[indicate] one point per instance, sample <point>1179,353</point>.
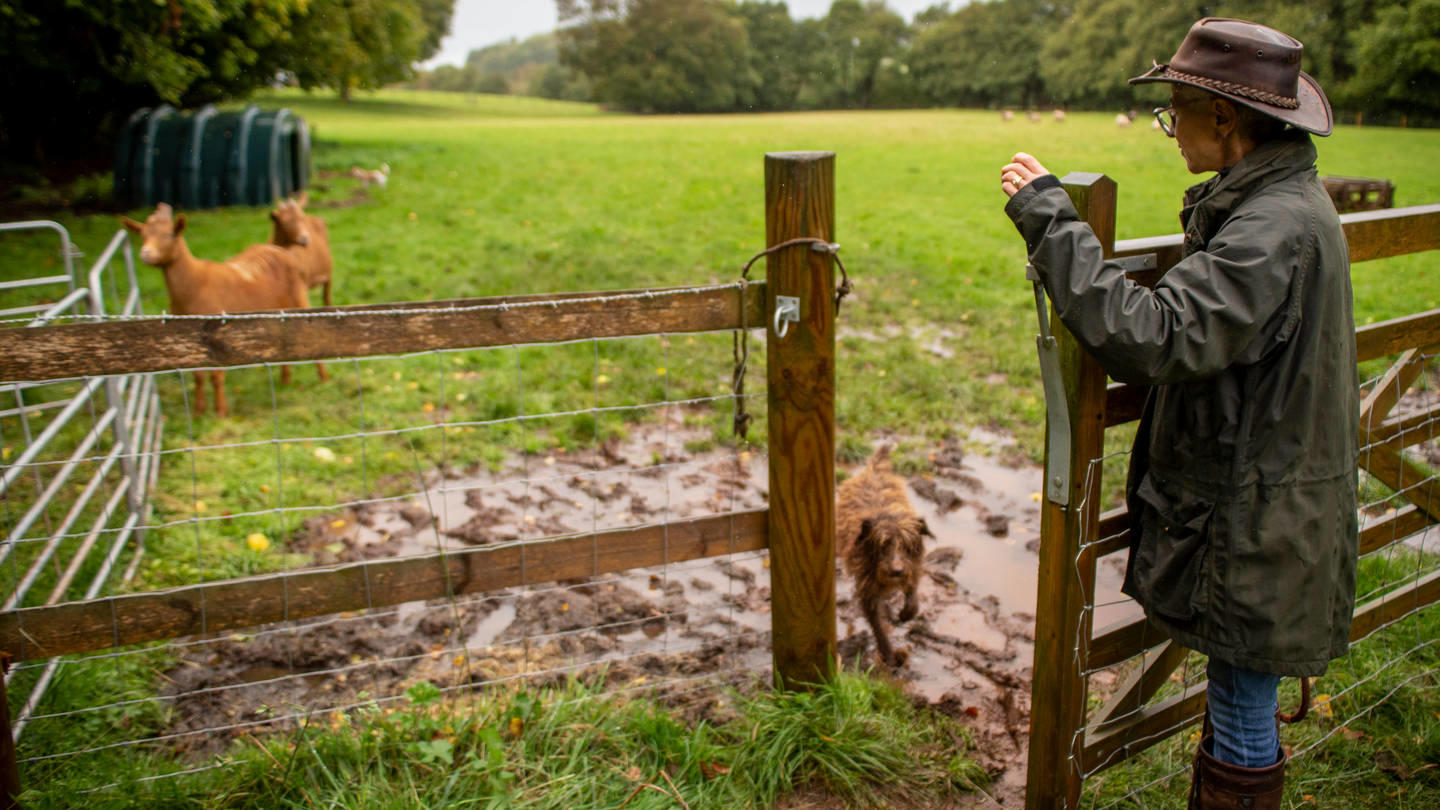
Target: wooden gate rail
<point>213,607</point>
<point>1064,747</point>
<point>321,333</point>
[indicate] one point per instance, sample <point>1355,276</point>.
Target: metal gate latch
<point>787,311</point>
<point>1057,413</point>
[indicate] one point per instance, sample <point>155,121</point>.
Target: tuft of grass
<point>856,738</point>
<point>1371,739</point>
<point>573,746</point>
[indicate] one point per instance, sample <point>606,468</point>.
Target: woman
<point>1242,487</point>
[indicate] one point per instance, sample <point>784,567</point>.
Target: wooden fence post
<point>800,375</point>
<point>1066,580</point>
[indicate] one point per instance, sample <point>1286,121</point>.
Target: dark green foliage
<point>682,56</point>
<point>361,44</point>
<point>985,54</point>
<point>1377,58</point>
<point>105,58</point>
<point>1400,50</point>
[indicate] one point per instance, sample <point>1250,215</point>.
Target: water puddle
<point>969,649</point>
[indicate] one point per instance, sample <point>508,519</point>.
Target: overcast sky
<point>478,23</point>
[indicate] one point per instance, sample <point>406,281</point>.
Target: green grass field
<point>493,196</point>
<point>496,196</point>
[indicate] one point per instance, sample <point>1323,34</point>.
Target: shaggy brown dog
<point>878,536</point>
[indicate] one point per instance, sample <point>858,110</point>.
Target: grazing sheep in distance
<point>1007,115</point>
<point>878,536</point>
<point>1059,114</point>
<point>367,177</point>
<point>1034,117</point>
<point>1122,120</point>
<point>260,277</point>
<point>306,237</point>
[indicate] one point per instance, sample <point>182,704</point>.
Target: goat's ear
<point>179,224</point>
<point>925,528</point>
<point>131,225</point>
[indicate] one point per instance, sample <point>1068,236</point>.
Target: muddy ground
<point>969,649</point>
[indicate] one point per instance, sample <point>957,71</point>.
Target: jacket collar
<point>1208,204</point>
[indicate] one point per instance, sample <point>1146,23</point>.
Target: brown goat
<point>305,236</point>
<point>878,536</point>
<point>258,278</point>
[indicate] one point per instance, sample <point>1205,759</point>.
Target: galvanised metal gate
<point>79,455</point>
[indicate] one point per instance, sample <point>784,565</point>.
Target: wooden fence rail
<point>1065,744</point>
<point>213,607</point>
<point>320,333</point>
<point>798,526</point>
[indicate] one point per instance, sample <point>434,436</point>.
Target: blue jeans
<point>1242,714</point>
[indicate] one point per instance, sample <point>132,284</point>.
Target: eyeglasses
<point>1166,117</point>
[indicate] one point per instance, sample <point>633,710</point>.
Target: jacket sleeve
<point>1213,309</point>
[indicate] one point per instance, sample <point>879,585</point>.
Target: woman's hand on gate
<point>1020,170</point>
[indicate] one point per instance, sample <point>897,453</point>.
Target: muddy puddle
<point>969,649</point>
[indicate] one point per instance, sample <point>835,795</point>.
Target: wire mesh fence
<point>1118,705</point>
<point>485,494</point>
<point>1387,656</point>
<point>419,457</point>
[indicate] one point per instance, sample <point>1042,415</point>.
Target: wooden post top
<point>1084,179</point>
<point>799,156</point>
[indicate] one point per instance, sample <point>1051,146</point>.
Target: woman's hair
<point>1249,122</point>
<point>1255,125</point>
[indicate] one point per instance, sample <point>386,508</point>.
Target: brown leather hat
<point>1249,64</point>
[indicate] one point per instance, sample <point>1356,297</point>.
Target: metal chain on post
<point>740,341</point>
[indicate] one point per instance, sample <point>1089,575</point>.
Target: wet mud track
<point>969,649</point>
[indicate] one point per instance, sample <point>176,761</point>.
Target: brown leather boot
<point>1216,785</point>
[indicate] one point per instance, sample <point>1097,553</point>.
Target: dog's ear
<point>866,527</point>
<point>925,528</point>
<point>868,546</point>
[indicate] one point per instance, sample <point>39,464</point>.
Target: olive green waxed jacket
<point>1242,485</point>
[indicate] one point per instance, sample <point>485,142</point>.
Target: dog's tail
<point>880,460</point>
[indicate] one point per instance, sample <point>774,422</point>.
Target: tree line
<point>1377,59</point>
<point>527,68</point>
<point>77,68</point>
